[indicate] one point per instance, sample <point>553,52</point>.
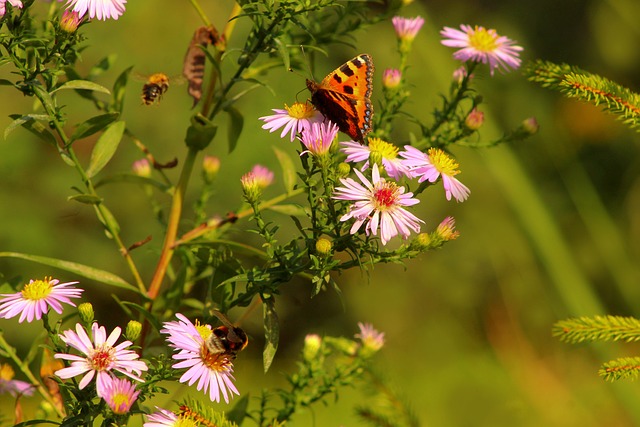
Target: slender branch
<point>175,214</point>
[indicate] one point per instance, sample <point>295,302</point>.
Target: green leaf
<point>21,120</point>
<point>284,53</point>
<point>239,411</point>
<point>119,90</point>
<point>83,85</point>
<point>87,199</point>
<point>105,148</point>
<point>271,331</point>
<point>236,122</point>
<point>108,220</point>
<point>75,268</point>
<point>200,133</point>
<point>289,209</point>
<point>288,169</point>
<point>93,125</point>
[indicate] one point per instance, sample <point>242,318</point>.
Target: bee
<point>157,84</point>
<point>227,339</point>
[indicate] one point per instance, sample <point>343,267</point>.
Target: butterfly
<point>343,96</point>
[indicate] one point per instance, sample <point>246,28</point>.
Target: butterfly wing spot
<point>343,99</point>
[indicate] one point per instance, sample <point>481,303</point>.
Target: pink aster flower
<point>379,204</point>
<point>102,9</point>
<point>381,152</point>
<point>36,297</point>
<point>70,21</point>
<point>407,28</point>
<point>294,119</point>
<point>370,337</point>
<point>13,387</point>
<point>100,357</point>
<point>211,370</point>
<point>481,45</point>
<point>319,138</point>
<point>436,164</point>
<point>162,418</point>
<point>263,175</point>
<point>120,395</point>
<point>14,3</point>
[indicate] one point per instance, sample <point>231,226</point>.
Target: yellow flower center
<point>385,195</point>
<point>382,148</point>
<point>6,372</point>
<point>203,330</point>
<point>38,289</point>
<point>443,163</point>
<point>483,40</point>
<point>121,403</point>
<point>300,110</point>
<point>102,357</point>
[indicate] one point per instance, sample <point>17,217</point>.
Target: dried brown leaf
<point>194,61</point>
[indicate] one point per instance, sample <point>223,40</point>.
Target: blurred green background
<point>550,230</point>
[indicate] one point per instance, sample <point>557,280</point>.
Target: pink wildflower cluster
<point>379,204</point>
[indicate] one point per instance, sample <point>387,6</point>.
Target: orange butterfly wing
<point>344,96</point>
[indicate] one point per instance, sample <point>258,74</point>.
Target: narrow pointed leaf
<point>84,85</point>
<point>21,120</point>
<point>236,122</point>
<point>288,169</point>
<point>75,268</point>
<point>93,125</point>
<point>119,90</point>
<point>271,332</point>
<point>87,199</point>
<point>105,148</point>
<point>289,209</point>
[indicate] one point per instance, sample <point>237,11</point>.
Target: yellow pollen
<point>6,372</point>
<point>102,357</point>
<point>443,163</point>
<point>38,289</point>
<point>483,40</point>
<point>203,330</point>
<point>121,401</point>
<point>300,110</point>
<point>385,195</point>
<point>386,150</point>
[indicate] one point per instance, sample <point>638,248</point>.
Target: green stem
<point>198,9</point>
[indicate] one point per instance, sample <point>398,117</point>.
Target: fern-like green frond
<point>625,368</point>
<point>588,87</point>
<point>598,328</point>
<point>203,414</point>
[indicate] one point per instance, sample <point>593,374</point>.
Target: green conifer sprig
<point>588,87</point>
<point>621,369</point>
<point>598,328</point>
